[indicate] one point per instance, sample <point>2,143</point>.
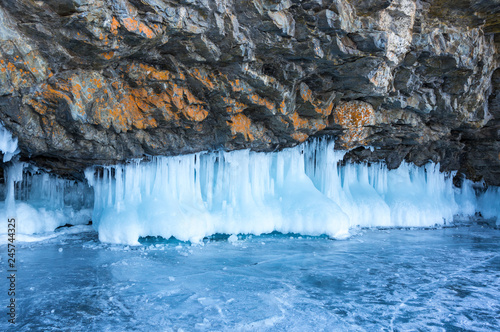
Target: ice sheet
<point>378,280</point>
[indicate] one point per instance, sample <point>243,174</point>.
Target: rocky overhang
<point>93,82</point>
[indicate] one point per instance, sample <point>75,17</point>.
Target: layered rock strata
<point>85,82</point>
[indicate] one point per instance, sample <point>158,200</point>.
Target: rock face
<point>86,82</point>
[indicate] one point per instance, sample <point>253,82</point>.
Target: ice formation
<point>489,203</point>
<point>193,196</point>
<point>38,201</point>
<point>41,202</point>
<point>303,190</point>
<point>8,144</point>
<point>298,190</point>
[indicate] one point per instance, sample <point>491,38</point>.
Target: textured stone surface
<point>87,82</point>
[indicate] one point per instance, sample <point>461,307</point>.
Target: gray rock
<point>100,82</point>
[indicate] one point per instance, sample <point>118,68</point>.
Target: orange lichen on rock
<point>256,99</point>
<point>198,127</point>
<point>283,121</point>
<point>300,137</point>
<point>182,98</point>
<point>325,110</point>
<point>132,108</point>
<point>319,107</point>
<point>38,106</point>
<point>148,102</point>
<point>132,25</point>
<point>161,101</point>
<point>114,26</point>
<point>195,112</point>
<point>150,72</point>
<point>160,75</point>
<point>306,93</point>
<point>11,67</point>
<point>92,100</point>
<point>307,124</point>
<point>190,106</point>
<point>45,100</point>
<point>127,113</point>
<point>354,114</point>
<point>354,117</point>
<point>143,28</point>
<point>240,124</point>
<point>297,121</point>
<point>191,98</point>
<point>234,106</point>
<point>202,77</point>
<point>17,76</point>
<point>108,55</point>
<point>177,96</point>
<point>142,72</point>
<point>239,86</point>
<point>282,108</point>
<point>53,95</point>
<point>317,124</point>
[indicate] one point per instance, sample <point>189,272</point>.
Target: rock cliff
<point>85,82</point>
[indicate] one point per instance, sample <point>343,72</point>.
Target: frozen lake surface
<point>445,279</point>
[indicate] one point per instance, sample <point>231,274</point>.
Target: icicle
<point>193,196</point>
<point>300,190</point>
<point>465,196</point>
<point>39,202</point>
<point>8,144</point>
<point>14,174</point>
